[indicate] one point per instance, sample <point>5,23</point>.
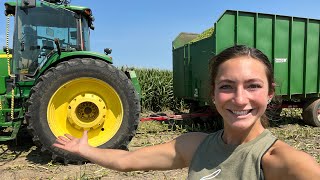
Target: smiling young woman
<point>242,85</point>
<point>241,92</point>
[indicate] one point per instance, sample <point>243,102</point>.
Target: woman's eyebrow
<point>229,81</point>
<point>225,81</point>
<point>254,80</point>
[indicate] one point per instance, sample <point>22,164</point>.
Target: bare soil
<point>20,159</point>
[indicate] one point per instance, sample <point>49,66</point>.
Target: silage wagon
<point>291,43</point>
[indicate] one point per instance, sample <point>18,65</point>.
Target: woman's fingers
<point>85,133</point>
<point>62,141</point>
<point>69,136</point>
<point>58,145</point>
<point>63,138</point>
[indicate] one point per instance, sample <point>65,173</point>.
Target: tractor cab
<point>44,28</point>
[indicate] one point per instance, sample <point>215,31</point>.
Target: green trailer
<point>291,43</point>
<point>51,83</point>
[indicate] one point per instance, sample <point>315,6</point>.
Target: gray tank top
<point>216,160</point>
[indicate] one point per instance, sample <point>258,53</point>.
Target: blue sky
<point>140,32</point>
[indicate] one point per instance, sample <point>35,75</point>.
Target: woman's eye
<point>225,87</point>
<point>254,86</point>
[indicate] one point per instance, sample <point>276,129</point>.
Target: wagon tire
<point>311,112</point>
<point>83,94</point>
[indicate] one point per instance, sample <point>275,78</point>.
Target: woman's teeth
<point>241,113</point>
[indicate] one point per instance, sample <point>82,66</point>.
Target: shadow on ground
<point>22,147</point>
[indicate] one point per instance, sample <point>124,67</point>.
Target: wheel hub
<point>86,111</point>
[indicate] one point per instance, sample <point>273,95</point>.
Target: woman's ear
<point>271,95</point>
<point>212,99</point>
<point>272,90</point>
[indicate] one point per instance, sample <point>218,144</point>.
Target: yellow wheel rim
<point>85,104</point>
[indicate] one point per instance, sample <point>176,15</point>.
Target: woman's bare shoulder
<point>284,161</point>
<point>193,136</point>
<point>190,140</point>
<point>286,153</point>
<point>187,144</point>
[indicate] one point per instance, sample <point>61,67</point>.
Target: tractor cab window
<point>36,30</point>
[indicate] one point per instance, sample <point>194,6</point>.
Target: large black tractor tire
<point>83,94</point>
<point>311,112</point>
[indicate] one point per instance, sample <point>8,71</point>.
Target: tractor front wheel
<point>83,94</point>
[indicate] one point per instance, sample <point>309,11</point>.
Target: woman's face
<point>241,91</point>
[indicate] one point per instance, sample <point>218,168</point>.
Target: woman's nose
<point>240,97</point>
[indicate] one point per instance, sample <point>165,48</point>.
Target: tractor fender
<point>131,74</point>
<point>65,56</point>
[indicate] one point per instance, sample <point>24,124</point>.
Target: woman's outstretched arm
<point>171,155</point>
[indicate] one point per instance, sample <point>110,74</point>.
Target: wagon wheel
<point>311,112</point>
<point>83,94</point>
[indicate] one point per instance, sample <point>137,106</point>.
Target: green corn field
<point>157,90</point>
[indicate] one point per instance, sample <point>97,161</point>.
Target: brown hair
<point>238,51</point>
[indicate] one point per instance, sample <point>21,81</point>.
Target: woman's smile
<point>240,113</point>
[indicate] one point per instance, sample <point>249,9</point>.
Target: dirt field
<point>22,160</point>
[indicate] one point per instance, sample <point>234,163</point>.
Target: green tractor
<point>51,83</point>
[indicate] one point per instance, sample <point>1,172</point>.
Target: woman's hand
<point>71,143</point>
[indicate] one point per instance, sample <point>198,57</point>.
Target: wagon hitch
<point>165,117</point>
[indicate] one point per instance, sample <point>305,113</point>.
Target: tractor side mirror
<point>28,3</point>
<point>9,9</point>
